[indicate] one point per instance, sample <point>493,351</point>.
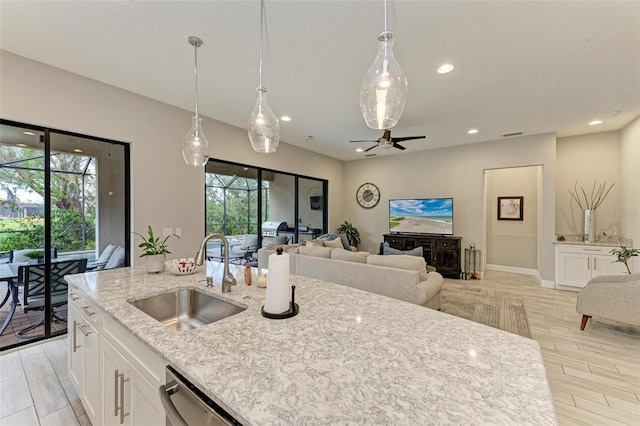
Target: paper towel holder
<point>291,312</point>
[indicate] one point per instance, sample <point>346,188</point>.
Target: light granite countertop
<point>349,356</point>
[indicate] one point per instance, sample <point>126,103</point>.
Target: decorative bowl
<point>181,266</point>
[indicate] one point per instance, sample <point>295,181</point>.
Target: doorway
<point>512,238</point>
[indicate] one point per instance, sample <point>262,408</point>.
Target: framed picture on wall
<point>510,208</point>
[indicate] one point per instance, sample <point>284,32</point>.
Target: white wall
<point>585,159</point>
<point>512,243</point>
<point>453,172</point>
<point>630,182</point>
<point>166,192</point>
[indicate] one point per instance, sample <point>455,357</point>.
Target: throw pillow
<point>343,238</point>
<point>391,251</point>
<point>349,256</point>
<point>337,243</point>
<point>411,263</point>
<point>105,256</point>
<point>314,243</point>
<point>316,251</point>
<point>117,259</point>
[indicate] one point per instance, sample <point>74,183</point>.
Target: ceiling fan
<point>386,141</point>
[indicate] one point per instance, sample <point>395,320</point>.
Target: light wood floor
<point>594,375</point>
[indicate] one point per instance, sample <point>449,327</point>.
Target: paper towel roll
<point>278,287</point>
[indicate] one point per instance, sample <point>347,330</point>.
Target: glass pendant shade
<point>195,148</point>
<point>383,92</point>
<point>263,127</point>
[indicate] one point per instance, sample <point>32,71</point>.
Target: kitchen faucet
<point>227,280</point>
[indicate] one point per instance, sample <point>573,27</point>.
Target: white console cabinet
<point>578,263</point>
<point>115,375</point>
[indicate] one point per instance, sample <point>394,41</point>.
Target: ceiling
<point>521,66</point>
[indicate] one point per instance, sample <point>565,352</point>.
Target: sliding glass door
<point>64,198</point>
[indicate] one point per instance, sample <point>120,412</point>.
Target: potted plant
<point>351,232</point>
<point>37,255</point>
<point>155,251</point>
<point>623,255</point>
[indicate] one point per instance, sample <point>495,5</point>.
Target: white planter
<point>155,263</point>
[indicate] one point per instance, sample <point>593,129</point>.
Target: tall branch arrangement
<point>598,194</point>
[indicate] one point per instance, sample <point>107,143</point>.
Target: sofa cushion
<point>392,251</point>
<point>314,243</point>
<point>402,261</point>
<point>342,237</point>
<point>316,251</point>
<point>336,244</point>
<point>349,256</point>
<point>105,256</point>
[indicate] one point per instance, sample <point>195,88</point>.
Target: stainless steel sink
<point>186,308</point>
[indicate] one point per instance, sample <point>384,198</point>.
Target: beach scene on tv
<point>421,216</point>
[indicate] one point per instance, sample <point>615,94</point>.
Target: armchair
<point>612,297</point>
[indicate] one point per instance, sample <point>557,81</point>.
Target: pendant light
<point>263,127</point>
<point>195,149</point>
<point>383,92</point>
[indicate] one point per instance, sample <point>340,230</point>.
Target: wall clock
<point>368,195</point>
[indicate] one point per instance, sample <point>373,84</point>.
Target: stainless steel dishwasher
<point>186,405</point>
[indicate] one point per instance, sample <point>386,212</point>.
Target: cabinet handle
<point>586,249</point>
<point>84,308</point>
<point>115,396</point>
<point>86,333</point>
<point>73,296</point>
<point>122,413</point>
<point>73,337</point>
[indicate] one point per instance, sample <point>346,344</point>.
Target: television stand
<point>443,252</point>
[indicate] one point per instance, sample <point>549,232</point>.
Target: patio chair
<point>32,277</point>
<point>245,251</point>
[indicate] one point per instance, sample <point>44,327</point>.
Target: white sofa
<point>400,277</point>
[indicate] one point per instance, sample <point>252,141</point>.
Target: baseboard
<point>512,269</point>
<point>523,271</point>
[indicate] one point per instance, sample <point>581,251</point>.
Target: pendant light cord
<point>261,38</point>
<point>385,16</point>
<point>195,72</point>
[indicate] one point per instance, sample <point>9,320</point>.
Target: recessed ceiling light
<point>359,149</point>
<point>28,133</point>
<point>285,118</point>
<point>307,137</point>
<point>445,68</point>
<point>21,145</point>
<point>595,122</point>
<point>472,131</point>
<point>77,150</point>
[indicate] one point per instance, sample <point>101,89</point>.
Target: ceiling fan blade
<point>387,135</point>
<point>366,141</point>
<point>408,138</point>
<point>397,145</point>
<point>369,149</point>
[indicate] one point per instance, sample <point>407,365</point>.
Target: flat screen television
<point>421,216</point>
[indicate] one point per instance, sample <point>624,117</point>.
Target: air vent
<point>370,155</point>
<point>506,135</point>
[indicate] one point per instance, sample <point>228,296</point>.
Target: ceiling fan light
<point>263,126</point>
<point>384,88</point>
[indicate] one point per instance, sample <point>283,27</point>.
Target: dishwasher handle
<point>174,417</point>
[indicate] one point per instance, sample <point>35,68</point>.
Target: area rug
<point>495,309</point>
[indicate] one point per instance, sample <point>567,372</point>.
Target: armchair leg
<point>583,324</point>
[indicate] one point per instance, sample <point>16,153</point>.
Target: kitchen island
<point>348,357</point>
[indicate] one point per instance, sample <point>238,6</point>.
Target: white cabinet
<point>129,398</point>
<point>114,374</point>
<point>84,354</point>
<point>576,264</point>
<point>131,375</point>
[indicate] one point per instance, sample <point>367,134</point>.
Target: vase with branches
<point>589,204</point>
